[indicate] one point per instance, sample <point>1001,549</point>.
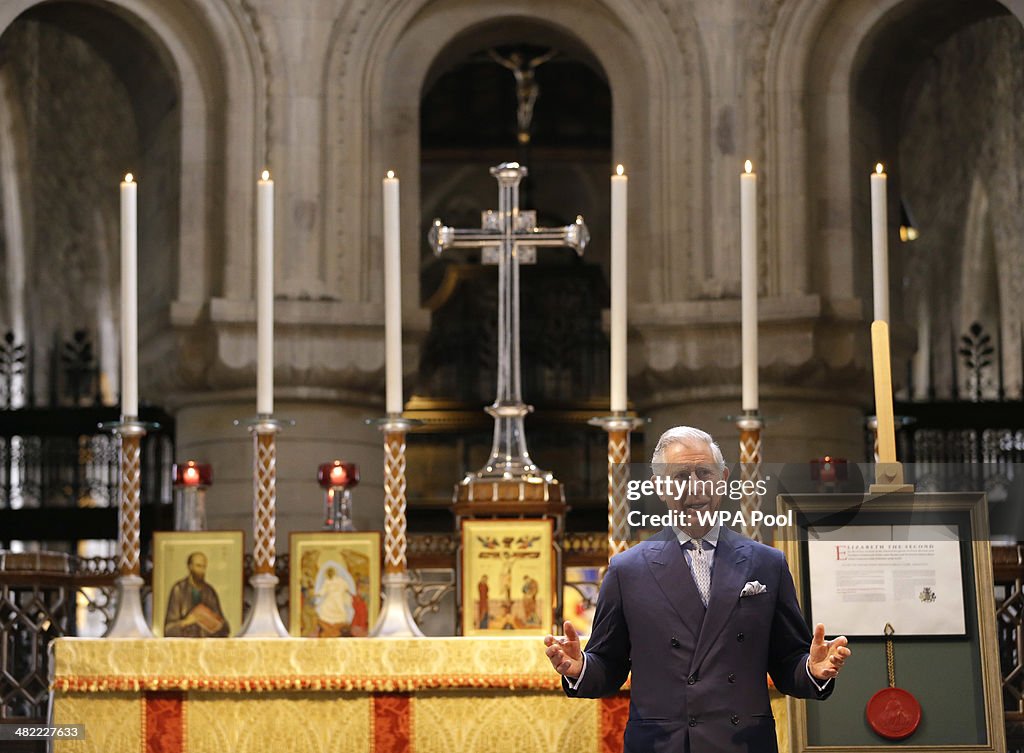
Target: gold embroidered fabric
<point>292,722</point>
<point>113,722</point>
<point>489,721</point>
<point>249,664</point>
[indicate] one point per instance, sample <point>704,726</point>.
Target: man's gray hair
<point>686,435</point>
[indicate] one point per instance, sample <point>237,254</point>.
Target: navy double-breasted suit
<point>698,683</point>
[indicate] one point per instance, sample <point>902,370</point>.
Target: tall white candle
<point>265,295</point>
<point>392,296</point>
<point>879,244</point>
<point>129,298</point>
<point>748,284</point>
<point>619,294</point>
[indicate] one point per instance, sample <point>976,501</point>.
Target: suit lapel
<point>727,578</point>
<point>665,561</point>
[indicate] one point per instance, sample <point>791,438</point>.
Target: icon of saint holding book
<point>193,609</point>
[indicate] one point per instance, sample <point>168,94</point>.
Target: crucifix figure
<point>527,88</point>
<point>509,237</point>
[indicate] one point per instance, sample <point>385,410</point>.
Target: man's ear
<point>725,473</point>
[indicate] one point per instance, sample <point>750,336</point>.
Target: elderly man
<point>699,615</point>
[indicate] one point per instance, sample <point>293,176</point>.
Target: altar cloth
<point>302,695</point>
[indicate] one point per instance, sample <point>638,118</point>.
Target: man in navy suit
<point>699,615</point>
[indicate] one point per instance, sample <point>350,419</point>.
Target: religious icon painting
<point>579,597</point>
<point>197,583</point>
<point>334,583</point>
<point>508,577</point>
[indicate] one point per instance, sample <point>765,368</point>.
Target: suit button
<point>732,677</point>
<point>693,721</point>
<point>739,637</point>
<point>735,719</point>
<point>676,643</point>
<point>692,679</point>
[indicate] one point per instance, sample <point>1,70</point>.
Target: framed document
<point>909,574</point>
<point>197,583</point>
<point>334,583</point>
<point>861,564</point>
<point>508,577</point>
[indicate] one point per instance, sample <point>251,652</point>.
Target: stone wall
<point>962,172</point>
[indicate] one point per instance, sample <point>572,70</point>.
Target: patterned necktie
<point>700,568</point>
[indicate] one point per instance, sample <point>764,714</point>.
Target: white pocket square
<point>753,588</point>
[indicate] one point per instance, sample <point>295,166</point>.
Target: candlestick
<point>129,621</point>
<point>129,299</point>
<point>748,286</point>
<point>395,619</point>
<point>619,294</point>
<point>265,295</point>
<point>392,296</point>
<point>619,427</point>
<point>264,619</point>
<point>879,245</point>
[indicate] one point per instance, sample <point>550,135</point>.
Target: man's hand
<point>564,652</point>
<point>827,657</point>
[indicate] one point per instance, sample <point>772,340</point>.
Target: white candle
<point>748,284</point>
<point>129,299</point>
<point>265,295</point>
<point>879,244</point>
<point>392,296</point>
<point>619,295</point>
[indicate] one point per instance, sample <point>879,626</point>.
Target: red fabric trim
<point>392,723</point>
<point>164,723</point>
<point>614,713</point>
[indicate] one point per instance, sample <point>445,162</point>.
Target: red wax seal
<point>893,713</point>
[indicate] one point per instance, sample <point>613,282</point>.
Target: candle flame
<point>748,167</point>
<point>265,175</point>
<point>619,170</point>
<point>390,174</point>
<point>128,178</point>
<point>878,168</point>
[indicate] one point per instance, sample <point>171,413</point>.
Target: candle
<point>392,296</point>
<point>265,295</point>
<point>748,285</point>
<point>129,299</point>
<point>619,295</point>
<point>879,244</point>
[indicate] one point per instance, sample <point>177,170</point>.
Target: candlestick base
<point>129,622</point>
<point>264,620</point>
<point>395,620</point>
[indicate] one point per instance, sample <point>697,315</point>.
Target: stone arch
<point>818,54</point>
<point>379,60</point>
<point>211,50</point>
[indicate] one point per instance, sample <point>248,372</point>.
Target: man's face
<point>692,461</point>
<point>197,568</point>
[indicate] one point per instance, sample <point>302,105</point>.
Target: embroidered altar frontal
<point>312,696</point>
<point>385,695</point>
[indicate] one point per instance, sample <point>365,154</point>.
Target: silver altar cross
<point>509,237</point>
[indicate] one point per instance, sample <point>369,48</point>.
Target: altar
<point>386,695</point>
